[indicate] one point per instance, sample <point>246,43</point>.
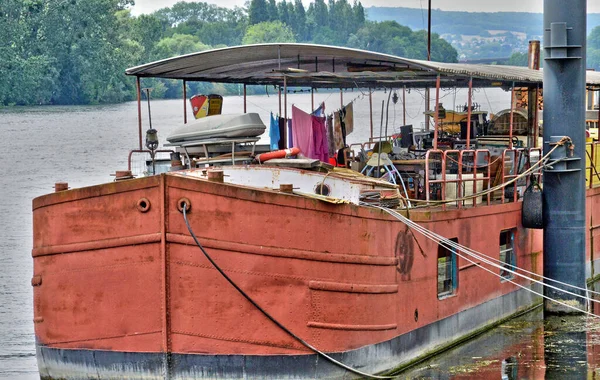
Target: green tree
<point>392,38</point>
<point>272,11</point>
<point>284,15</point>
<point>258,12</point>
<point>300,27</point>
<point>593,49</point>
<point>268,32</point>
<point>178,44</point>
<point>518,59</point>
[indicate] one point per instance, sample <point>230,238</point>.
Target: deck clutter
<point>245,256</point>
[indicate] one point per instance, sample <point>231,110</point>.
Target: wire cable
<point>446,243</point>
<point>269,316</point>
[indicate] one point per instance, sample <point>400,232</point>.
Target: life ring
<point>277,154</point>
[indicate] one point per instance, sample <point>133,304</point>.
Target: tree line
<point>76,51</point>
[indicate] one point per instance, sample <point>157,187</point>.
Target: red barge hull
<point>122,291</point>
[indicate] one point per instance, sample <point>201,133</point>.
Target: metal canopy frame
<point>321,66</point>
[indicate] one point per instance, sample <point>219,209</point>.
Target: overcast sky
<point>146,6</point>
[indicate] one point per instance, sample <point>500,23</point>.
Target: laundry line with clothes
<point>317,134</point>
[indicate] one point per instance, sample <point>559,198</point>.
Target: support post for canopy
<point>598,125</point>
<point>245,98</point>
<point>512,114</point>
<point>139,106</point>
<point>564,202</point>
<point>341,97</point>
<point>371,112</point>
<point>427,107</point>
<point>404,105</point>
<point>184,102</point>
<point>437,110</point>
<point>536,126</point>
<point>279,96</point>
<point>429,31</point>
<point>533,63</point>
<point>312,99</point>
<point>285,130</point>
<point>469,113</point>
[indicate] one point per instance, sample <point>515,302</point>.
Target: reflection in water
<point>528,347</point>
<point>565,351</point>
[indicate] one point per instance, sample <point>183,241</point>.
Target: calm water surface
<point>84,145</point>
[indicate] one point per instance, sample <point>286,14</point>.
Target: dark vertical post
<point>245,110</point>
<point>404,105</point>
<point>437,112</point>
<point>564,182</point>
<point>139,104</point>
<point>285,129</point>
<point>371,112</point>
<point>184,101</point>
<point>512,116</point>
<point>469,105</point>
<point>429,31</point>
<point>533,62</point>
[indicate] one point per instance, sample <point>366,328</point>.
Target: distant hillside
<point>475,35</point>
<point>468,23</point>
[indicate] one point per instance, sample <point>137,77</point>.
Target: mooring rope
<point>477,256</point>
<point>269,316</point>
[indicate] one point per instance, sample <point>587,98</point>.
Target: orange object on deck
<point>277,154</point>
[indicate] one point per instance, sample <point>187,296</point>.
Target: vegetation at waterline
<point>76,51</point>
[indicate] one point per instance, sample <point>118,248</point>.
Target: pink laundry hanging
<point>303,132</point>
<point>320,138</point>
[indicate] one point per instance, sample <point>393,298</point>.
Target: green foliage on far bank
<point>76,51</point>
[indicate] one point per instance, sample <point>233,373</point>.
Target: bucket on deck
<point>206,105</point>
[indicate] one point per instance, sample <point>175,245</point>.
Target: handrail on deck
<point>467,161</point>
<point>478,163</point>
<point>592,163</point>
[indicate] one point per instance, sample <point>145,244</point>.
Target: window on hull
<point>508,256</point>
<point>447,280</point>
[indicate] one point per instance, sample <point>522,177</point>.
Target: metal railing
<point>592,164</point>
<point>475,171</point>
<point>461,168</point>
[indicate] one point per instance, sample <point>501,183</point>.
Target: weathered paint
<point>116,282</point>
<point>396,353</point>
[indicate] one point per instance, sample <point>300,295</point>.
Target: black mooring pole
<point>564,182</point>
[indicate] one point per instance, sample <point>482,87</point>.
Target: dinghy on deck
<point>221,126</point>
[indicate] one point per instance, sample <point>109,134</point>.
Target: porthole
<point>322,189</point>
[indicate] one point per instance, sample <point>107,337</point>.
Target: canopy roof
<point>319,66</point>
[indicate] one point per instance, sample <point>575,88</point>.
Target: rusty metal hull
<point>121,290</point>
<point>81,364</point>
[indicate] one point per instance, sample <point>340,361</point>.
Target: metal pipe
<point>429,31</point>
<point>184,102</point>
<point>139,107</point>
<point>512,114</point>
<point>312,99</point>
<point>469,113</point>
<point>532,95</point>
<point>285,130</point>
<point>149,112</point>
<point>371,113</point>
<point>245,110</point>
<point>427,108</point>
<point>404,105</point>
<point>564,205</point>
<point>341,97</point>
<point>437,110</point>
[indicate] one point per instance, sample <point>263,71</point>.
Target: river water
<point>83,145</point>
